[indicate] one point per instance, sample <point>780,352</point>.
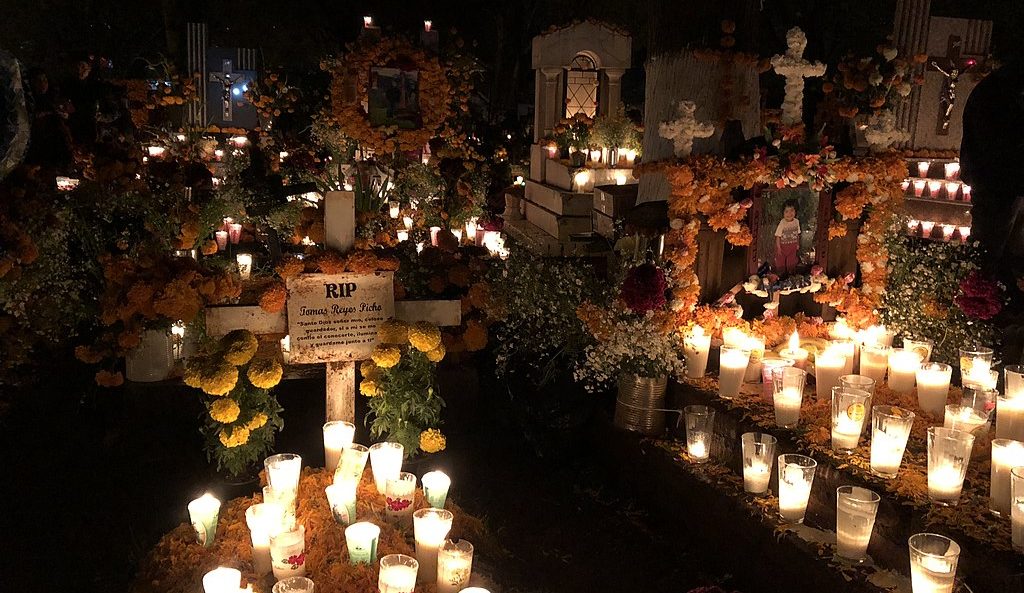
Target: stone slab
<point>615,200</point>
<point>559,201</point>
<point>445,313</point>
<point>559,227</point>
<point>224,318</point>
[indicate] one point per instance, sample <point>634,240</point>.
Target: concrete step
<point>559,201</point>
<point>558,226</point>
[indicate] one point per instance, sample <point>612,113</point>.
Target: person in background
<point>81,89</point>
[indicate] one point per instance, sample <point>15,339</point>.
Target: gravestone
<point>225,75</point>
<point>956,50</point>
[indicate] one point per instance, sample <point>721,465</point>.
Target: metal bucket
<point>640,406</point>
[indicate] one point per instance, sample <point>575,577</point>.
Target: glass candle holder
<point>919,187</point>
<point>294,585</point>
<point>222,580</point>
<point>983,400</point>
<point>1010,418</point>
<point>796,476</point>
<point>700,422</point>
<point>933,387</point>
<point>386,463</point>
<point>696,346</point>
<point>861,382</point>
<point>264,519</point>
<point>874,360</point>
<point>926,226</point>
<point>397,574</point>
<point>828,367</point>
<point>952,189</point>
<point>203,513</point>
<point>890,429</point>
<point>758,457</point>
<point>922,168</point>
<point>341,496</point>
<point>338,436</point>
<point>1017,507</point>
<point>753,372</point>
<point>975,366</point>
<point>1013,376</point>
<point>399,495</point>
<point>732,366</point>
<point>849,409</point>
<point>352,463</point>
<point>789,393</point>
<point>454,566</point>
<point>435,488</point>
<point>949,451</point>
<point>794,352</point>
<point>394,208</point>
<point>768,368</point>
<point>434,231</point>
<point>933,560</point>
<point>361,541</point>
<point>903,366</point>
<point>287,553</point>
<point>856,509</point>
<point>283,472</point>
<point>430,529</point>
<point>965,418</point>
<point>952,170</point>
<point>923,347</point>
<point>244,263</point>
<point>848,348</point>
<point>934,188</point>
<point>1006,455</point>
<point>235,233</point>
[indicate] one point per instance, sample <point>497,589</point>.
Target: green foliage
<point>616,131</point>
<point>407,402</point>
<point>236,461</point>
<point>923,281</point>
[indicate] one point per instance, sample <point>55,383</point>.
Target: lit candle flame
<point>794,341</point>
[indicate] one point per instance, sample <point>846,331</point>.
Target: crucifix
<point>682,130</point>
<point>227,78</point>
<point>952,66</point>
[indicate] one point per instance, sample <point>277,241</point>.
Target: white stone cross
<point>682,130</point>
<point>794,68</point>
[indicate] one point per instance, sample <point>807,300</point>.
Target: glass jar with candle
<point>921,346</point>
<point>756,348</point>
<point>903,366</point>
<point>361,542</point>
<point>768,368</point>
<point>874,360</point>
<point>1010,418</point>
<point>965,418</point>
<point>454,566</point>
<point>1006,455</point>
<point>341,496</point>
<point>397,574</point>
<point>399,495</point>
<point>263,519</point>
<point>700,422</point>
<point>287,553</point>
<point>435,488</point>
<point>294,585</point>
<point>828,367</point>
<point>949,451</point>
<point>983,400</point>
<point>796,476</point>
<point>352,463</point>
<point>338,435</point>
<point>1017,508</point>
<point>848,348</point>
<point>933,387</point>
<point>849,409</point>
<point>861,382</point>
<point>975,366</point>
<point>283,472</point>
<point>856,509</point>
<point>696,346</point>
<point>890,429</point>
<point>385,462</point>
<point>222,580</point>
<point>933,560</point>
<point>788,395</point>
<point>732,366</point>
<point>794,352</point>
<point>758,457</point>
<point>203,512</point>
<point>430,529</point>
<point>1014,381</point>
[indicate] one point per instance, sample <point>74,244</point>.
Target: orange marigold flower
<point>208,247</point>
<point>289,267</point>
<point>437,284</point>
<point>361,262</point>
<point>475,336</point>
<point>128,340</point>
<point>105,378</point>
<point>87,355</point>
<point>274,297</point>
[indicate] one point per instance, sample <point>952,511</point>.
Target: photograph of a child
<point>394,97</point>
<point>787,230</point>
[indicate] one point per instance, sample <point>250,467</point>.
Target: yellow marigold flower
<point>225,410</point>
<point>432,441</point>
<point>424,336</point>
<point>265,373</point>
<point>258,421</point>
<point>393,331</point>
<point>386,356</point>
<point>219,379</point>
<point>193,374</point>
<point>368,388</point>
<point>369,370</point>
<point>237,436</point>
<point>436,354</point>
<point>239,346</point>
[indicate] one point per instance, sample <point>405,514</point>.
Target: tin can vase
<point>640,404</point>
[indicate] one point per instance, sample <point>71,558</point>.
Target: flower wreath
<point>701,189</point>
<point>347,107</point>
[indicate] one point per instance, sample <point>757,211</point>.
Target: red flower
<point>644,288</point>
<point>980,297</point>
<point>296,560</point>
<point>398,504</point>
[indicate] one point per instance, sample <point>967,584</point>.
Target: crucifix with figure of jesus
<point>952,66</point>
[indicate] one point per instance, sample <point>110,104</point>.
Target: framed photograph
<point>790,229</point>
<point>393,97</point>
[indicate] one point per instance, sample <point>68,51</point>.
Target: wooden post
<point>341,391</point>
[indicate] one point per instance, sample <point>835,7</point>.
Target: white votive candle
<point>855,520</point>
<point>203,512</point>
<point>1006,455</point>
<point>890,429</point>
<point>933,560</point>
<point>263,519</point>
<point>949,451</point>
<point>874,360</point>
<point>849,409</point>
<point>732,366</point>
<point>932,387</point>
<point>397,574</point>
<point>222,580</point>
<point>758,456</point>
<point>756,348</point>
<point>1014,381</point>
<point>796,476</point>
<point>903,366</point>
<point>922,168</point>
<point>1010,418</point>
<point>1017,508</point>
<point>361,541</point>
<point>430,529</point>
<point>788,388</point>
<point>695,348</point>
<point>386,463</point>
<point>244,262</point>
<point>454,566</point>
<point>849,349</point>
<point>919,187</point>
<point>965,418</point>
<point>341,496</point>
<point>435,488</point>
<point>287,552</point>
<point>338,435</point>
<point>828,367</point>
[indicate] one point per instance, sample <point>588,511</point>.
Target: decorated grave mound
<point>177,563</point>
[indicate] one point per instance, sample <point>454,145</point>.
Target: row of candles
<point>598,155</point>
<point>474,234</point>
<point>927,229</point>
<point>278,542</point>
<point>936,187</point>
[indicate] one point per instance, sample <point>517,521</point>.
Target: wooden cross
<point>682,130</point>
<point>306,345</point>
<point>227,78</point>
<point>952,66</point>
